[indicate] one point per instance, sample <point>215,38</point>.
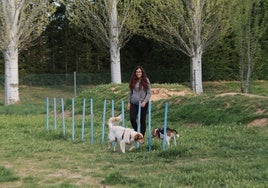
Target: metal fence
<point>167,76</point>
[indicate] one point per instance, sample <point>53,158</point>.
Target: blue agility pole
<point>47,116</point>
<point>113,116</point>
<point>83,120</point>
<point>165,126</point>
<point>55,114</point>
<point>112,108</point>
<point>91,121</point>
<point>149,124</point>
<point>63,116</point>
<point>103,121</point>
<point>72,119</point>
<point>123,113</point>
<point>139,122</point>
<point>139,118</point>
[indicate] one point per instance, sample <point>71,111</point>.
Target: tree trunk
<point>114,46</point>
<point>242,65</point>
<point>249,52</point>
<point>115,66</point>
<point>11,74</point>
<point>196,72</point>
<point>249,70</point>
<point>248,79</point>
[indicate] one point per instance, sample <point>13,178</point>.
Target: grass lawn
<point>223,141</point>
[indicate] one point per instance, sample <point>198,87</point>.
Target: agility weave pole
<point>103,119</point>
<point>149,125</point>
<point>165,126</point>
<point>83,118</point>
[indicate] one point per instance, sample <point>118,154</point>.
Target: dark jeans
<point>133,112</point>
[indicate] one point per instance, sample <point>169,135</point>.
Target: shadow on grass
<point>116,178</point>
<point>173,153</point>
<point>7,175</point>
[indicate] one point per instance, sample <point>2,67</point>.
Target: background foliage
<point>62,50</point>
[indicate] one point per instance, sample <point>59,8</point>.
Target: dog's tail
<point>114,120</point>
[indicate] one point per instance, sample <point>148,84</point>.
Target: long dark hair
<point>133,79</point>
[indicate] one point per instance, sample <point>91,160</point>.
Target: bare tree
<point>250,24</point>
<point>189,26</point>
<point>108,23</point>
<point>21,22</point>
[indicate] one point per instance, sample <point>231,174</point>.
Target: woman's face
<point>139,73</point>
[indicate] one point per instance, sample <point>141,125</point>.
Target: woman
<point>140,91</point>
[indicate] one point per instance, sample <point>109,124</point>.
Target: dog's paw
<point>131,148</point>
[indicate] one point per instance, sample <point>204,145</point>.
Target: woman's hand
<point>143,104</point>
<point>128,106</point>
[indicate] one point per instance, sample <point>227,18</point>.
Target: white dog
<point>122,135</point>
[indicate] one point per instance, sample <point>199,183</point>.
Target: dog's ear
<point>118,118</point>
<point>138,136</point>
<point>153,133</point>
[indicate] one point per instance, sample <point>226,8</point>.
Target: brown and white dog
<point>122,135</point>
<point>170,133</point>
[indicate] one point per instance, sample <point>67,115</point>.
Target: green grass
<point>216,147</point>
<point>7,175</point>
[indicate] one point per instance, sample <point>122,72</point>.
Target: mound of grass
<point>210,110</point>
<point>206,109</point>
